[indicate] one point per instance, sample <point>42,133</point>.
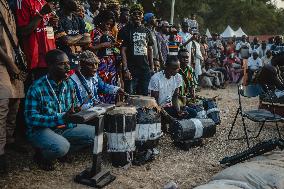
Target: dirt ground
<point>186,168</point>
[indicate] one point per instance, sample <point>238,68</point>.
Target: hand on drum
<point>70,112</point>
<point>182,114</point>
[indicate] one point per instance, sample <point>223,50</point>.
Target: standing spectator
<point>255,44</point>
<point>254,64</point>
<point>71,34</point>
<point>193,24</point>
<point>95,8</point>
<point>137,53</point>
<point>151,24</point>
<point>204,47</point>
<point>243,48</point>
<point>195,55</point>
<point>104,47</point>
<point>36,30</point>
<point>124,17</point>
<point>267,58</point>
<point>185,34</point>
<point>262,49</point>
<point>113,6</point>
<point>10,86</point>
<point>163,37</point>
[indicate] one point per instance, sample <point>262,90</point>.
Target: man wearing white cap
<point>254,64</point>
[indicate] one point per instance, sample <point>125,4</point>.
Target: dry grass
<point>186,168</point>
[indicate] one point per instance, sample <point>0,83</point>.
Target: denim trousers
<point>57,143</point>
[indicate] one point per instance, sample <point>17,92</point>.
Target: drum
<point>89,114</point>
<point>120,125</point>
<point>198,106</point>
<point>148,124</point>
<point>189,129</point>
<point>212,110</point>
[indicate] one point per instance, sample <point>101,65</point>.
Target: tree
<point>254,16</point>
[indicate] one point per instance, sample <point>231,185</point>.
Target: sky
<point>280,3</point>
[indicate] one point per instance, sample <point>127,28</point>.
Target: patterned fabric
<point>107,70</point>
<point>189,80</point>
<point>164,45</point>
<point>95,84</point>
<point>43,108</point>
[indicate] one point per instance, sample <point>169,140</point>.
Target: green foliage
<point>256,17</point>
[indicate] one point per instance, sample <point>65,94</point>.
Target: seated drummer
<point>187,72</point>
<point>164,87</point>
<point>49,104</point>
<point>88,83</point>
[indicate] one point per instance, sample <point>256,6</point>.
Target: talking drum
<point>212,110</point>
<point>148,124</point>
<point>189,129</point>
<point>120,124</point>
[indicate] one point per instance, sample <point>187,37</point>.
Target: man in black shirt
<point>137,53</point>
<point>71,34</point>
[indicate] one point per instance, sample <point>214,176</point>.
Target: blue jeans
<point>56,143</point>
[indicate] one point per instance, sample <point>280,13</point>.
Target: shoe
<point>42,163</point>
<point>3,165</point>
<point>16,147</point>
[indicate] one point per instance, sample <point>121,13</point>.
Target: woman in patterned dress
<point>104,46</point>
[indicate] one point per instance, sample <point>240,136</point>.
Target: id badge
<point>50,32</point>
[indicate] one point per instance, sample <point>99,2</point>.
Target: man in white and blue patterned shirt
<point>88,83</point>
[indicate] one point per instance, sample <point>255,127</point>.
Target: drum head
<point>123,111</point>
<point>142,101</point>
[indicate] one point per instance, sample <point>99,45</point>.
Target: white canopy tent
<point>240,32</point>
<point>229,32</point>
<point>208,34</point>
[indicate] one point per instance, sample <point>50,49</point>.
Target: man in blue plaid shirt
<point>49,104</point>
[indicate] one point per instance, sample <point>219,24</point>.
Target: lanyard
<point>54,94</point>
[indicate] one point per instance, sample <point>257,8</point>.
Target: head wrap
<point>88,56</point>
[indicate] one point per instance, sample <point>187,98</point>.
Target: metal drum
<point>189,129</point>
<point>148,124</point>
<point>120,125</point>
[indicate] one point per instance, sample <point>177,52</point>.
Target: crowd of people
<point>80,53</point>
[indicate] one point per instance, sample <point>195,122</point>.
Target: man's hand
<point>182,114</point>
<point>54,21</point>
<point>120,91</point>
<point>47,8</point>
<point>127,75</point>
